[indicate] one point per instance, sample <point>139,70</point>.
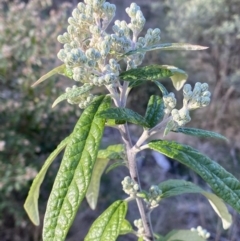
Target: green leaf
<point>74,175</point>
<point>58,70</point>
<point>108,225</point>
<point>223,183</point>
<point>112,152</point>
<point>179,77</point>
<point>155,110</point>
<point>161,87</point>
<point>73,93</point>
<point>124,114</point>
<point>182,235</point>
<point>176,187</point>
<point>115,165</point>
<point>155,72</point>
<point>126,228</point>
<point>166,46</point>
<point>150,72</point>
<point>31,203</point>
<point>171,125</point>
<point>200,133</point>
<point>93,188</point>
<point>136,83</point>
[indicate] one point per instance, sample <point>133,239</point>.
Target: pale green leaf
<point>31,203</point>
<point>108,225</point>
<point>200,133</point>
<point>124,114</point>
<point>73,93</point>
<point>58,70</point>
<point>111,152</point>
<point>93,188</point>
<point>176,187</point>
<point>115,165</point>
<point>179,77</point>
<point>182,235</point>
<point>223,183</point>
<point>74,175</point>
<point>126,228</point>
<point>166,46</point>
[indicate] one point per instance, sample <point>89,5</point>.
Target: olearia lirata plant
<point>92,58</point>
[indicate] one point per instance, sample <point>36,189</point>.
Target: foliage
<point>27,47</point>
<point>93,58</point>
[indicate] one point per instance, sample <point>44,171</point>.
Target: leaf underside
<point>74,175</point>
<point>31,203</point>
<point>58,70</point>
<point>223,183</point>
<point>107,226</point>
<point>167,46</point>
<point>200,133</point>
<point>175,187</point>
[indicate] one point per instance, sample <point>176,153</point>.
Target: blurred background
<point>30,129</point>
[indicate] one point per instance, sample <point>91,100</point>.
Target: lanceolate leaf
<point>166,46</point>
<point>112,152</point>
<point>93,188</point>
<point>73,93</point>
<point>161,87</point>
<point>200,133</point>
<point>150,72</point>
<point>31,203</point>
<point>176,187</point>
<point>155,110</point>
<point>58,70</point>
<point>182,235</point>
<point>224,184</point>
<point>109,223</point>
<point>75,171</point>
<point>115,165</point>
<point>124,114</point>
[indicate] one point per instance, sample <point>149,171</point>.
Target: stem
<point>131,155</point>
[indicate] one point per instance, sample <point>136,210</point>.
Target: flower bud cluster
<point>130,187</point>
<point>169,102</point>
<point>196,98</point>
<point>154,196</point>
<point>201,232</point>
<point>83,100</point>
<point>181,116</point>
<point>137,19</point>
<point>92,54</point>
<point>139,225</point>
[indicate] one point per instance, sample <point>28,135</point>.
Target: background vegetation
<point>30,129</point>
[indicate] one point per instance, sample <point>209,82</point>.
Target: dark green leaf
<point>155,110</point>
<point>108,225</point>
<point>74,175</point>
<point>200,133</point>
<point>150,72</point>
<point>176,187</point>
<point>161,87</point>
<point>31,203</point>
<point>58,70</point>
<point>136,83</point>
<point>224,184</point>
<point>124,114</point>
<point>73,93</point>
<point>166,46</point>
<point>182,235</point>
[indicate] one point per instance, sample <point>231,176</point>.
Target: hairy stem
<point>131,155</point>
